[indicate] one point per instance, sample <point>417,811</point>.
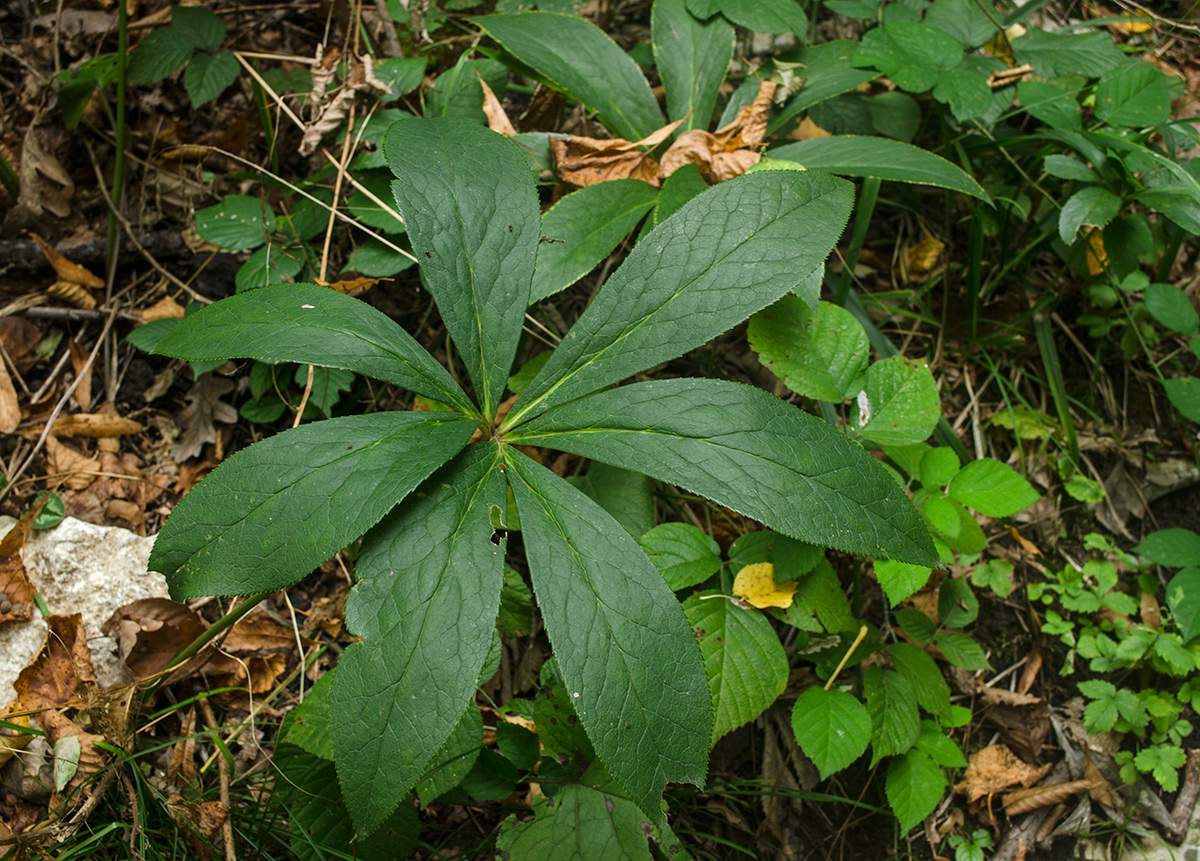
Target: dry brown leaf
<point>1029,675</point>
<point>67,270</point>
<point>150,632</point>
<point>995,769</point>
<point>71,293</point>
<point>544,111</point>
<point>95,426</point>
<point>731,150</point>
<point>355,286</point>
<point>203,819</point>
<point>362,79</point>
<point>91,756</point>
<point>1097,257</point>
<point>41,177</point>
<point>79,357</point>
<point>203,409</point>
<point>1026,545</point>
<point>62,460</point>
<point>164,309</point>
<point>181,769</point>
<point>258,635</point>
<point>498,121</point>
<point>1000,696</point>
<point>586,161</point>
<point>16,592</point>
<point>59,673</point>
<point>10,409</point>
<point>1024,800</point>
<point>1151,612</point>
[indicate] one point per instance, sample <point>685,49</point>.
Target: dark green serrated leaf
<point>455,759</point>
<point>766,16</point>
<point>914,787</point>
<point>274,511</point>
<point>965,20</point>
<point>684,554</point>
<point>1184,395</point>
<point>820,354</point>
<point>158,55</point>
<point>827,72</point>
<point>311,325</point>
<point>1093,207</point>
<point>582,61</point>
<point>624,647</point>
<point>560,731</point>
<point>237,223</point>
<point>202,27</point>
<point>456,93</point>
<point>1053,106</point>
<point>962,651</point>
<point>680,187</point>
<point>747,450</point>
<point>1054,55</point>
<point>469,205</point>
<point>426,608</point>
<point>623,494</point>
<point>1171,547</point>
<point>270,264</point>
<point>903,406</point>
<point>577,824</point>
<point>992,488</point>
<point>1171,308</point>
<point>831,727</point>
<point>892,705</point>
<point>746,666</point>
<point>583,228</point>
<point>692,58</point>
<point>915,664</point>
<point>859,155</point>
<point>965,91</point>
<point>727,253</point>
<point>911,54</point>
<point>209,75</point>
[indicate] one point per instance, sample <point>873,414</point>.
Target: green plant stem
<point>862,220</point>
<point>219,627</point>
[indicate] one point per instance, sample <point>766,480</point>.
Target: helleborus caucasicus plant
<point>428,499</point>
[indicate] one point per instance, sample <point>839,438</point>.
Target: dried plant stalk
<point>1025,800</point>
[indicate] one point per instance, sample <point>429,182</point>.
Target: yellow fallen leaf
<point>1097,257</point>
<point>922,257</point>
<point>756,584</point>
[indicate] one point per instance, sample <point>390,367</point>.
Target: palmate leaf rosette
<point>426,499</point>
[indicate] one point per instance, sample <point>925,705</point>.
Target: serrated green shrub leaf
<point>832,728</point>
<point>475,240</point>
<point>684,554</point>
<point>274,511</point>
<point>692,57</point>
<point>578,58</point>
<point>962,651</point>
<point>1053,106</point>
<point>914,787</point>
<point>625,649</point>
<point>1170,307</point>
<point>425,607</point>
<point>901,580</point>
<point>208,75</point>
<point>1066,167</point>
<point>585,226</point>
<point>678,189</point>
<point>578,824</point>
<point>903,406</point>
<point>915,664</point>
<point>992,488</point>
<point>237,223</point>
<point>158,55</point>
<point>964,20</point>
<point>762,16</point>
<point>1093,207</point>
<point>940,747</point>
<point>1184,395</point>
<point>1055,55</point>
<point>860,155</point>
<point>454,760</point>
<point>202,27</point>
<point>821,354</point>
<point>892,705</point>
<point>457,93</point>
<point>725,254</point>
<point>625,495</point>
<point>957,604</point>
<point>1183,597</point>
<point>747,669</point>
<point>910,54</point>
<point>270,264</point>
<point>965,91</point>
<point>311,325</point>
<point>747,450</point>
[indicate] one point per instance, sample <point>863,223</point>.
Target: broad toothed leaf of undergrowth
<point>692,58</point>
<point>627,654</point>
<point>832,728</point>
<point>469,205</point>
<point>425,607</point>
<point>578,824</point>
<point>311,325</point>
<point>749,451</point>
<point>274,511</point>
<point>725,254</point>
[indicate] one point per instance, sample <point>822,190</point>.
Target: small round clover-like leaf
<point>832,728</point>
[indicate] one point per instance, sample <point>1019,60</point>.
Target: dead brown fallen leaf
<point>68,270</point>
<point>77,469</point>
<point>1024,800</point>
<point>91,756</point>
<point>995,769</point>
<point>10,408</point>
<point>60,673</point>
<point>164,309</point>
<point>731,150</point>
<point>498,121</point>
<point>584,161</point>
<point>16,592</point>
<point>150,632</point>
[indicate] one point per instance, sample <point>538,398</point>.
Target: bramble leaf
<point>832,728</point>
<point>692,58</point>
<point>684,554</point>
<point>914,787</point>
